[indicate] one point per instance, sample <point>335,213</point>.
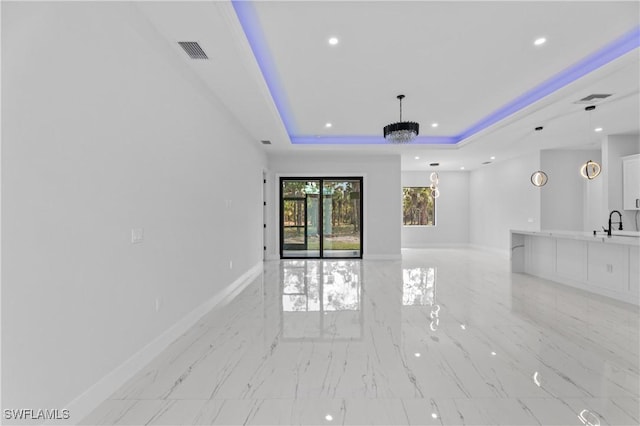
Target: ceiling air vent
<point>593,99</point>
<point>486,162</point>
<point>193,49</point>
<point>265,142</point>
<point>434,164</point>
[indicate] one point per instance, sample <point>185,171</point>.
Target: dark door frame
<point>321,180</point>
<point>304,201</point>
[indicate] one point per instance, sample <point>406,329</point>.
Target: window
<point>418,207</point>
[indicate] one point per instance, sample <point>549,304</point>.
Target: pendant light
<point>435,192</point>
<point>402,131</point>
<point>591,169</point>
<point>539,178</point>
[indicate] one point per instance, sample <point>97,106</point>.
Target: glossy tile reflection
<point>418,286</point>
<point>321,299</point>
<point>443,337</point>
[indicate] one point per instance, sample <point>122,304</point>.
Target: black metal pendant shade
<point>402,131</point>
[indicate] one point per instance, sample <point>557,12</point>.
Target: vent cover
<point>593,99</point>
<point>193,49</point>
<point>486,162</point>
<point>434,164</point>
<point>265,142</point>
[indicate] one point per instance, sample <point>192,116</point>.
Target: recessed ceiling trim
<point>368,140</point>
<point>250,23</point>
<point>612,51</point>
<point>251,26</point>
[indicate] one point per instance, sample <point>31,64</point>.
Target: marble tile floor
<point>443,337</point>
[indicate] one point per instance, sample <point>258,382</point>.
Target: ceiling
<point>459,64</point>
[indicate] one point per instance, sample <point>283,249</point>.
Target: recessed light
<point>493,353</point>
<point>434,124</point>
<point>462,326</point>
<point>598,129</point>
<point>328,417</point>
<point>462,168</point>
<point>328,125</point>
<point>434,415</point>
<point>492,157</point>
<point>417,354</point>
<point>417,158</point>
<point>540,41</point>
<point>333,41</point>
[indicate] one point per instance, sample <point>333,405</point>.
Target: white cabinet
<point>608,266</point>
<point>634,271</point>
<point>540,255</point>
<point>598,264</point>
<point>570,259</point>
<point>631,182</point>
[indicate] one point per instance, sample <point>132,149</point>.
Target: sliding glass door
<point>342,231</point>
<point>299,217</point>
<point>321,217</point>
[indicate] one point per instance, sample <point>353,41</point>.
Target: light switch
<point>137,235</point>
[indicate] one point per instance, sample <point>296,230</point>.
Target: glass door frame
<point>304,200</point>
<point>321,180</point>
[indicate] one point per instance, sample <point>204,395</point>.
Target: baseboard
<point>84,404</point>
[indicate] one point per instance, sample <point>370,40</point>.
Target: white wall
<point>615,147</point>
<point>103,133</point>
<point>563,198</point>
<point>452,211</point>
<point>382,195</point>
<point>503,198</point>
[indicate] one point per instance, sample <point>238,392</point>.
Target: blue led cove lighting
<point>612,51</point>
<point>251,27</point>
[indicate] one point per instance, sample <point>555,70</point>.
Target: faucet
<point>620,222</point>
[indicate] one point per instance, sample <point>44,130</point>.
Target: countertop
<point>600,237</point>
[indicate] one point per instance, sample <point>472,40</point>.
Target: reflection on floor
<point>321,300</point>
<point>443,337</point>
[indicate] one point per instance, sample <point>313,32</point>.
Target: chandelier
<point>402,131</point>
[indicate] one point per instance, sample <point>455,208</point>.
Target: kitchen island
<point>606,265</point>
